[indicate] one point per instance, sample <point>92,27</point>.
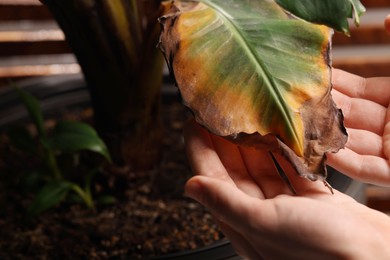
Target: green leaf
<point>70,137</point>
<point>334,13</point>
<point>50,195</point>
<point>34,110</point>
<point>253,74</point>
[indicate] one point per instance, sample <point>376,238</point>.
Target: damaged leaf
<point>257,76</point>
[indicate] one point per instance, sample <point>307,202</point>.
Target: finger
<point>360,113</point>
<point>387,24</point>
<point>386,136</point>
<point>232,160</point>
<point>263,171</point>
<point>229,206</point>
<point>201,154</point>
<point>365,168</point>
<point>226,202</point>
<point>374,89</point>
<point>364,142</point>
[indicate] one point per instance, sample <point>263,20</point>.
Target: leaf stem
<point>51,162</point>
<point>88,181</point>
<point>85,195</point>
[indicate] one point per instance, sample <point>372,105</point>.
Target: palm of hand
<point>254,206</point>
<point>365,104</point>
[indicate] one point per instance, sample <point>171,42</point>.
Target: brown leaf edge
<point>323,121</point>
<point>324,133</point>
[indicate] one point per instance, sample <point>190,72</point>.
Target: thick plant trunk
<point>115,44</point>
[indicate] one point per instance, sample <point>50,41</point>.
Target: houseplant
<point>115,61</point>
<point>114,42</point>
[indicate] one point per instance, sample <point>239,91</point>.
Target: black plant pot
<point>58,92</point>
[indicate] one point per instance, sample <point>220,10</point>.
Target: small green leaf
<point>21,139</point>
<point>34,110</point>
<point>358,9</point>
<point>333,13</point>
<point>50,195</point>
<point>70,137</point>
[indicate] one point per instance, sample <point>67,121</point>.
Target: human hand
<point>264,220</point>
<point>365,105</point>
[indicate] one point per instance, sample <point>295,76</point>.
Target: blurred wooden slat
<point>365,68</point>
<point>29,48</point>
<point>364,60</point>
<point>38,65</point>
<point>26,12</point>
<point>364,35</point>
<point>27,29</point>
<point>23,10</point>
<point>40,37</point>
<point>31,36</point>
<point>39,70</point>
<point>376,3</point>
<point>367,51</point>
<point>26,38</point>
<point>20,2</point>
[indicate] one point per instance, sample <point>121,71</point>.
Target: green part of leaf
<point>248,69</point>
<point>255,65</point>
<point>70,137</point>
<point>358,9</point>
<point>33,108</point>
<point>22,139</point>
<point>333,13</point>
<point>50,195</point>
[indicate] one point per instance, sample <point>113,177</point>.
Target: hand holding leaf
<point>257,76</point>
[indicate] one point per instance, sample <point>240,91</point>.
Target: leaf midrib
<point>259,64</point>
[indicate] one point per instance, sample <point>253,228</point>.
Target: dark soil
<point>151,216</point>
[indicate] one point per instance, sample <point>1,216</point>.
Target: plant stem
<point>84,195</point>
<point>51,162</point>
<point>88,181</point>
